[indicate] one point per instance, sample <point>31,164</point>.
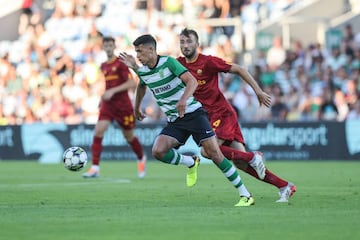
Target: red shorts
<point>225,125</point>
<point>113,112</point>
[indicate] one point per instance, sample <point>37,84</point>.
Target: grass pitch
<point>43,202</point>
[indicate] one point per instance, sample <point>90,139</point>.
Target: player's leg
<point>135,145</point>
<point>286,189</point>
<point>134,142</point>
<point>126,120</point>
<point>227,130</point>
<point>203,135</point>
<point>256,161</point>
<point>96,148</point>
<point>164,150</point>
<point>228,169</point>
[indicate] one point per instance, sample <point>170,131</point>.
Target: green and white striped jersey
<point>166,86</point>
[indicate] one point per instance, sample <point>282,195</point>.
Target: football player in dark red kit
<point>222,116</point>
<point>115,106</point>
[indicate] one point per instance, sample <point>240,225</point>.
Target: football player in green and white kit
<point>173,87</point>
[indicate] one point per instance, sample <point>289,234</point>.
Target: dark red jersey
<point>206,70</point>
<point>222,115</point>
<point>116,73</point>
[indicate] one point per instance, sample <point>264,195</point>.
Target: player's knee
<point>157,152</point>
<point>215,155</point>
<point>129,139</point>
<point>203,153</point>
<point>99,134</point>
<point>128,135</point>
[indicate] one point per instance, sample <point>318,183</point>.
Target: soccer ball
<point>75,158</point>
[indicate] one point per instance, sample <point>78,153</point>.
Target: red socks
<point>136,147</point>
<point>236,155</point>
<point>270,177</point>
<point>96,149</point>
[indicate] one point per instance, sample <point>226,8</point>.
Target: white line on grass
<point>87,182</point>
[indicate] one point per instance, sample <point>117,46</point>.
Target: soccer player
<point>222,115</point>
<point>115,106</point>
<point>173,87</point>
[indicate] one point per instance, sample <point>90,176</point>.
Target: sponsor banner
<point>301,141</point>
<point>277,141</point>
<point>46,142</point>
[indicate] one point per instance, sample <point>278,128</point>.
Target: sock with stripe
<point>174,158</point>
<point>233,176</point>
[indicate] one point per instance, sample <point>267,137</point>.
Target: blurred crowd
<point>51,72</point>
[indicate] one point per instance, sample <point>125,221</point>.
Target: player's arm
<point>262,96</point>
<point>191,85</point>
<point>129,61</point>
<point>139,95</point>
<point>129,84</point>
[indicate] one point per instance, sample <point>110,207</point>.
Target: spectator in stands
<point>348,41</point>
<point>73,116</point>
<point>292,103</point>
<point>30,15</point>
<point>276,55</point>
<point>278,108</point>
<point>3,119</point>
<point>352,95</point>
<point>341,105</point>
<point>267,77</point>
<point>328,110</point>
<point>300,53</point>
<point>250,16</point>
<point>337,59</point>
<point>235,7</point>
<point>305,107</point>
<point>67,41</point>
<point>246,103</point>
<point>341,78</point>
<point>283,78</point>
<point>7,70</point>
<point>354,113</point>
<point>355,68</point>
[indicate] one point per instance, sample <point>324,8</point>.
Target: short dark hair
<point>145,39</point>
<point>108,39</point>
<point>187,32</point>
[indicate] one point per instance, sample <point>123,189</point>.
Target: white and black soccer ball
<point>75,158</point>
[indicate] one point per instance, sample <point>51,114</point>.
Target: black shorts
<point>196,124</point>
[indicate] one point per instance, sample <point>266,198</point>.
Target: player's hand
<point>139,115</point>
<point>108,94</point>
<point>264,99</point>
<point>128,60</point>
<point>181,107</point>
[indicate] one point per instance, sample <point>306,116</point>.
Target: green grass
<point>48,202</point>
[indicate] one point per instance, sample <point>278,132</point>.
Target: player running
<point>115,106</point>
<point>173,87</point>
<point>222,115</point>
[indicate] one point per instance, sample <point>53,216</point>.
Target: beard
<point>190,54</point>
